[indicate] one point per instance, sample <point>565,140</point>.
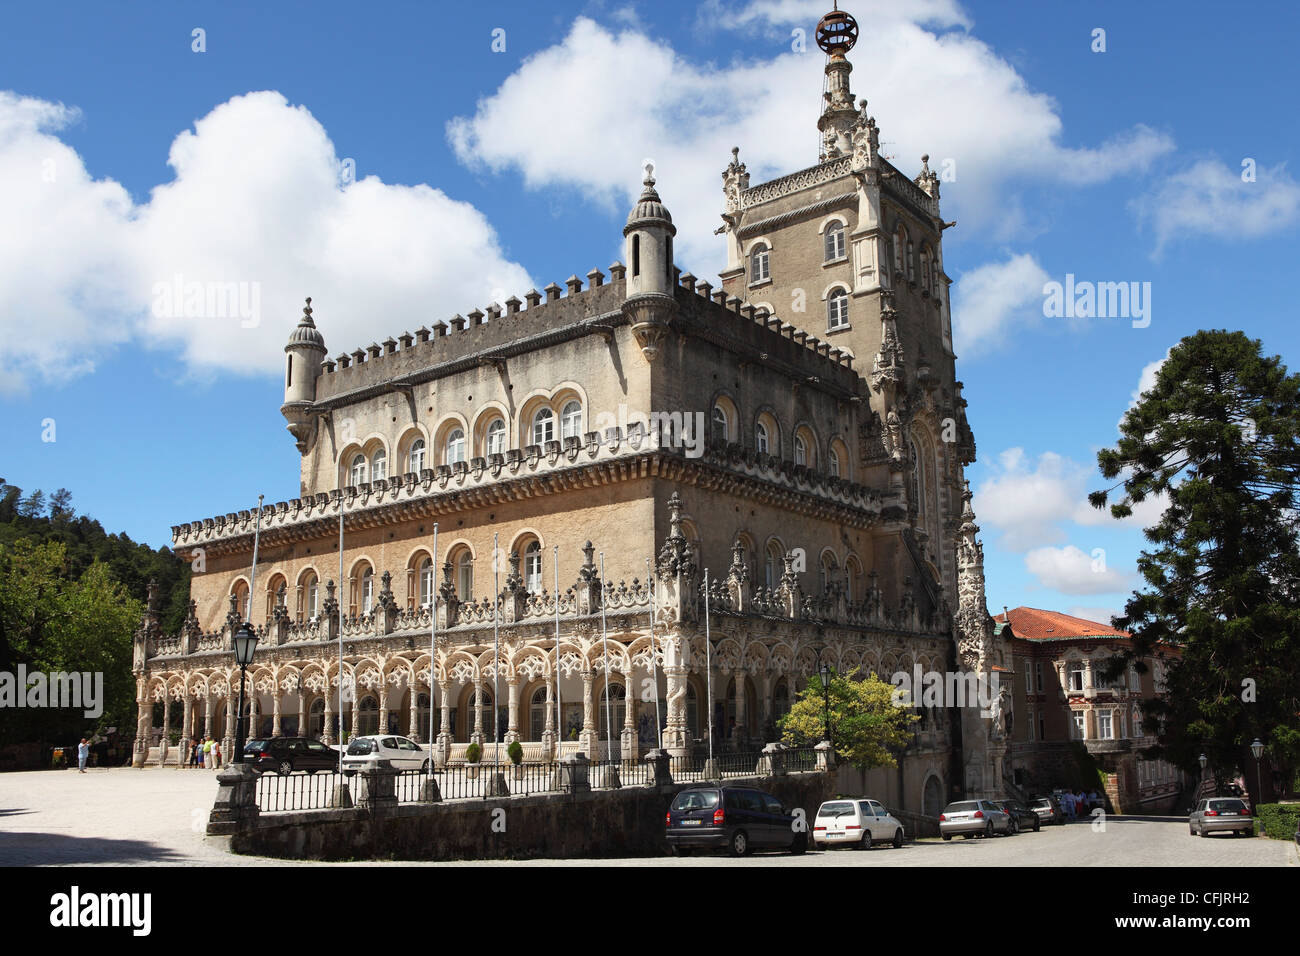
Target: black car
<point>740,819</point>
<point>1048,810</point>
<point>1022,818</point>
<point>287,754</point>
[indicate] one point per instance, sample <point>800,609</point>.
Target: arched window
<point>496,437</point>
<point>533,567</point>
<point>543,426</point>
<point>311,597</point>
<point>780,699</point>
<point>800,450</point>
<point>367,591</point>
<point>774,566</point>
<point>417,455</point>
<point>720,429</point>
<point>537,714</point>
<point>379,465</point>
<point>837,310</point>
<point>919,490</point>
<point>426,582</point>
<point>759,270</point>
<point>760,438</point>
<point>359,470</point>
<point>911,263</point>
<point>614,713</point>
<point>828,569</point>
<point>316,718</point>
<point>240,590</point>
<point>465,577</point>
<point>368,717</point>
<point>455,446</point>
<point>900,243</point>
<point>636,255</point>
<point>834,241</point>
<point>833,462</point>
<point>571,420</point>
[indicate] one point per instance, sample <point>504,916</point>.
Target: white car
<point>402,752</point>
<point>857,821</point>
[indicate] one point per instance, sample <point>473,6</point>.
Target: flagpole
<point>340,603</point>
<point>649,583</point>
<point>496,653</point>
<point>708,661</point>
<point>433,635</point>
<point>604,640</point>
<point>559,729</point>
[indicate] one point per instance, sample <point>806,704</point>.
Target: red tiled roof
<point>1035,624</point>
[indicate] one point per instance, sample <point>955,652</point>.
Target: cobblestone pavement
<point>122,816</point>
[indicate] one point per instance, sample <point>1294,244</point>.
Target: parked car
<point>740,819</point>
<point>859,822</point>
<point>1022,818</point>
<point>402,752</point>
<point>1048,810</point>
<point>1214,814</point>
<point>973,818</point>
<point>284,755</point>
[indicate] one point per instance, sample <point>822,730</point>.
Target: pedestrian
<point>216,755</point>
<point>83,754</point>
<point>196,752</point>
<point>207,753</point>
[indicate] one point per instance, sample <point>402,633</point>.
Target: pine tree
<point>1219,436</point>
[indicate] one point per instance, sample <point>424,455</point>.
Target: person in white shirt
<point>83,754</point>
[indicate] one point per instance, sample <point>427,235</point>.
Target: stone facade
<point>587,455</point>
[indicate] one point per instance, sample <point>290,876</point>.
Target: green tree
<point>867,728</point>
<point>1219,436</point>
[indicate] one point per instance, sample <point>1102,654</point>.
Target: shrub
<point>473,753</point>
<point>1278,820</point>
<point>515,752</point>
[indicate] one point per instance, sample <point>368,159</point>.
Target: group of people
<point>205,753</point>
<point>1078,804</point>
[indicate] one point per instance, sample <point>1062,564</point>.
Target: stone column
<point>302,712</point>
<point>352,715</point>
<point>414,730</point>
<point>764,704</point>
<point>207,715</point>
<point>477,735</point>
<point>254,713</point>
<point>143,724</point>
<point>550,737</point>
<point>627,736</point>
<point>588,736</point>
<point>328,735</point>
<point>165,741</point>
<point>276,722</point>
<point>187,731</point>
<point>232,706</point>
<point>512,724</point>
<point>444,729</point>
<point>675,741</point>
<point>741,726</point>
<point>383,705</point>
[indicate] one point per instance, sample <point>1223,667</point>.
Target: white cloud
<point>1032,503</point>
<point>575,116</point>
<point>1072,571</point>
<point>1101,615</point>
<point>255,199</point>
<point>1209,198</point>
<point>993,298</point>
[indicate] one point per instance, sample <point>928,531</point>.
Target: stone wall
<point>604,823</point>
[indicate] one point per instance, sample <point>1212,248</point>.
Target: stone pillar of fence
<point>825,756</point>
<point>429,790</point>
<point>660,760</point>
<point>235,806</point>
<point>573,773</point>
<point>772,761</point>
<point>376,786</point>
<point>604,776</point>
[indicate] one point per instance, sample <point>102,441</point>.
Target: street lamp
<point>1257,748</point>
<point>1201,783</point>
<point>825,672</point>
<point>245,645</point>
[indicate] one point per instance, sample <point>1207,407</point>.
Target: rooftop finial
<point>837,32</point>
<point>649,174</point>
<point>306,309</point>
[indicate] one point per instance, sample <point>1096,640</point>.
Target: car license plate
<point>836,835</point>
<point>691,823</point>
<point>1227,813</point>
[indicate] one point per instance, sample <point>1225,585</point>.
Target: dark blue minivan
<point>740,819</point>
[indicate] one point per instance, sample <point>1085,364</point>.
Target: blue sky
<point>127,158</point>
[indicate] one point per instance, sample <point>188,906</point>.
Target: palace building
<point>586,454</point>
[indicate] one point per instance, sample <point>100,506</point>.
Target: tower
<point>648,242</point>
<point>304,353</point>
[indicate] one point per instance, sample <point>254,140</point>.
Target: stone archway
<point>932,801</point>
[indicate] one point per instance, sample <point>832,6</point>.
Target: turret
<point>303,356</point>
<point>648,237</point>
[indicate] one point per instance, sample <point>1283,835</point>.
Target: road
<point>122,816</point>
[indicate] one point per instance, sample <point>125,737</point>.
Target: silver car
<point>974,818</point>
<point>1214,814</point>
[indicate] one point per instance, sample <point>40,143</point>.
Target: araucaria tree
<point>1219,436</point>
<point>867,728</point>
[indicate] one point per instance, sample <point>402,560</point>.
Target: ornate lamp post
<point>1257,748</point>
<point>1201,783</point>
<point>245,645</point>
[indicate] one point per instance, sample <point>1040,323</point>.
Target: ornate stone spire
<point>836,34</point>
<point>927,180</point>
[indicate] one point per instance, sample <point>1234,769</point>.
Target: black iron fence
<point>297,791</point>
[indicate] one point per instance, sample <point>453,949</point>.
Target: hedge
<point>1278,820</point>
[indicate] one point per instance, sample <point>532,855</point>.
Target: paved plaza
<point>157,816</point>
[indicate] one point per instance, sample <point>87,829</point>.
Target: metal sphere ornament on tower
<point>837,32</point>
